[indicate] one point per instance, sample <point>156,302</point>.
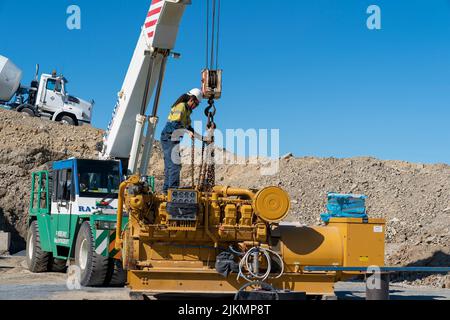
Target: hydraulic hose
<point>123,186</point>
<point>253,274</point>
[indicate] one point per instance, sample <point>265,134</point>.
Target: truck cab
<point>72,218</point>
<point>45,98</point>
<point>54,102</point>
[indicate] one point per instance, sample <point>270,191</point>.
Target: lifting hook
<point>210,113</point>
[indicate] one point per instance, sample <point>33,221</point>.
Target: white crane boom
<point>124,137</point>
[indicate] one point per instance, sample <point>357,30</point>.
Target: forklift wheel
<point>117,276</point>
<point>93,266</point>
<point>37,259</point>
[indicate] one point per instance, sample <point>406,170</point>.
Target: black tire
<point>68,120</point>
<point>28,112</point>
<point>57,265</point>
<point>37,259</point>
<point>117,277</point>
<point>93,267</point>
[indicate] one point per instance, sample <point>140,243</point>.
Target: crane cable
<point>207,34</point>
<point>213,13</point>
<point>207,175</point>
<point>213,26</point>
<point>218,35</point>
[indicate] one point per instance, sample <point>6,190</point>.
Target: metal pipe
<point>145,98</point>
<point>208,232</point>
<point>379,291</point>
<point>256,262</point>
<point>160,83</point>
<point>148,147</point>
<point>234,192</point>
<point>153,119</point>
<point>382,269</point>
<point>137,140</point>
<point>123,186</point>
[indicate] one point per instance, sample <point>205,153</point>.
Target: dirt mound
<point>413,198</point>
<point>27,145</point>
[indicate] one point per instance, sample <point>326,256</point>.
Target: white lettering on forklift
<point>74,20</point>
<point>85,209</point>
<point>374,20</point>
<point>62,234</point>
<point>61,241</point>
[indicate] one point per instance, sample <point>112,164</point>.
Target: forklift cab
<point>74,194</point>
<point>79,185</point>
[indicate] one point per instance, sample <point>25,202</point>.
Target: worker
<point>84,182</point>
<point>179,123</point>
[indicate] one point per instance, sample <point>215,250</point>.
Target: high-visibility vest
<point>181,113</point>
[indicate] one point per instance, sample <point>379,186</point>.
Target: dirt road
<point>17,283</point>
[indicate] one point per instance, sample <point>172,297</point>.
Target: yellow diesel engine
<point>228,239</point>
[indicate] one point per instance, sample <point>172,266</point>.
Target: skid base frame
<point>163,281</point>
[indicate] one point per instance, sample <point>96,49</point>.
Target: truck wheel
<point>68,120</point>
<point>117,277</point>
<point>57,265</point>
<point>27,112</point>
<point>93,266</point>
<point>37,259</point>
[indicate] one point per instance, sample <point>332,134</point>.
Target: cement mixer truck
<point>46,98</point>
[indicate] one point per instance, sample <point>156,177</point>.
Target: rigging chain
<point>207,175</point>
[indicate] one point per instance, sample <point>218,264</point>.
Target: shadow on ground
<point>17,242</point>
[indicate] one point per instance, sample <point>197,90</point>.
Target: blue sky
<point>310,68</point>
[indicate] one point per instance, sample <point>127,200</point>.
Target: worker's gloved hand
<point>207,140</point>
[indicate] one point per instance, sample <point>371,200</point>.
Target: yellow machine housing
<point>171,243</point>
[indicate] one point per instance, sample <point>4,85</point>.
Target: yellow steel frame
<point>156,281</point>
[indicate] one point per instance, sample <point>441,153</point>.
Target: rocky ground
<point>27,145</point>
<point>413,198</point>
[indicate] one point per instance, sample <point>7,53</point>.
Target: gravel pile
<point>27,145</point>
<point>413,198</point>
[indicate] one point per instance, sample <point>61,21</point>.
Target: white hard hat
<point>196,93</point>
